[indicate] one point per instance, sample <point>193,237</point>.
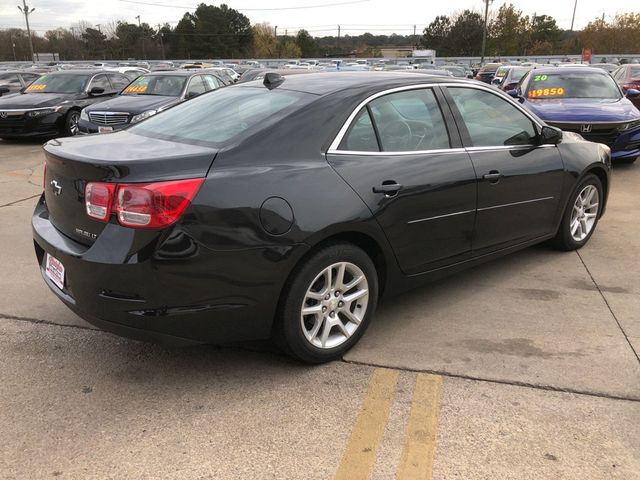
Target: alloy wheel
<point>584,213</point>
<point>334,305</point>
<point>74,119</point>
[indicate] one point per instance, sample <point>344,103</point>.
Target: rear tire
<point>581,215</point>
<point>337,287</point>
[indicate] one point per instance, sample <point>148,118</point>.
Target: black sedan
<point>145,96</point>
<point>14,81</point>
<point>51,105</point>
<point>285,209</point>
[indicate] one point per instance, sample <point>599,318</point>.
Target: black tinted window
<point>101,81</point>
<point>10,80</point>
<point>409,121</point>
<point>118,81</point>
<point>491,120</point>
<point>361,136</point>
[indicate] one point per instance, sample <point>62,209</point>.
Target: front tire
<point>328,303</point>
<point>581,215</point>
<point>71,122</point>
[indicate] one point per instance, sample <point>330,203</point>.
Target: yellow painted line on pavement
<point>420,443</point>
<point>362,446</point>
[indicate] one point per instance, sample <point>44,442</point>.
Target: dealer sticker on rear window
<point>546,92</point>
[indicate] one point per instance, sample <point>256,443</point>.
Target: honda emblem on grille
<point>57,188</point>
<point>3,114</point>
<point>585,128</point>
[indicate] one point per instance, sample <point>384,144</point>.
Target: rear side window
<point>219,117</point>
<point>101,81</point>
<point>491,120</point>
<point>409,121</point>
<point>361,136</point>
<point>118,81</point>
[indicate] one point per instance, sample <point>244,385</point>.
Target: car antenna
<point>272,80</point>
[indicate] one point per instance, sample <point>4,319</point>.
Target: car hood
<point>35,100</point>
<point>133,104</point>
<point>586,110</point>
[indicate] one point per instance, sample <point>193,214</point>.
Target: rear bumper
<point>169,289</point>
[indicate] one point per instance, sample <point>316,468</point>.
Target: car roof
<point>88,71</point>
<point>324,83</point>
<point>585,69</point>
<point>176,73</point>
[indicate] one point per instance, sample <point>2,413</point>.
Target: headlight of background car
<point>43,111</point>
<point>143,115</point>
<point>84,116</point>
<point>629,126</point>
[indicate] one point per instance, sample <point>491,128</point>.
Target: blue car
<point>586,101</point>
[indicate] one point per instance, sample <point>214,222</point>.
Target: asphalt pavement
<point>526,367</point>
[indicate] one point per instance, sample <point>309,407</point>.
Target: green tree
<point>306,43</point>
<point>264,41</point>
<point>465,36</point>
<point>508,31</point>
<point>436,35</point>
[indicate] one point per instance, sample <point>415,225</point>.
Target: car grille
<point>606,133</point>
<point>12,120</point>
<point>109,118</point>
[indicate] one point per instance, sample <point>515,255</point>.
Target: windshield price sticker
<point>33,88</point>
<point>136,89</point>
<point>546,92</point>
<point>540,78</point>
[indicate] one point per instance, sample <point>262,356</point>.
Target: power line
<point>300,7</point>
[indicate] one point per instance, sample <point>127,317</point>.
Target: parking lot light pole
<point>27,11</point>
<point>484,31</point>
<point>144,55</point>
<point>575,5</point>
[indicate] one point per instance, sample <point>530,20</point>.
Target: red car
<point>628,77</point>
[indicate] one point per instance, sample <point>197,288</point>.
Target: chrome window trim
<point>333,148</point>
<point>441,151</point>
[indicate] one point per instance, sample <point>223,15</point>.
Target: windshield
<point>572,85</point>
<point>216,118</point>
<point>168,85</point>
<point>59,83</point>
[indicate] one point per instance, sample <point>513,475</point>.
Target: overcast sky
<point>354,16</point>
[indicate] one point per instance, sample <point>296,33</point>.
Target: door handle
<point>493,176</point>
<point>388,187</point>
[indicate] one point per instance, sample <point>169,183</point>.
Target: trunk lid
<point>113,158</point>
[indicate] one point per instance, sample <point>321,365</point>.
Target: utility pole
<point>13,47</point>
<point>26,12</point>
<point>99,25</point>
<point>275,34</point>
<point>415,40</point>
<point>144,55</point>
<point>484,32</point>
<point>573,18</point>
<point>338,36</point>
<point>161,42</point>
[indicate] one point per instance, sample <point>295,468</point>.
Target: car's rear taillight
<point>98,198</point>
<point>154,205</point>
<point>141,205</point>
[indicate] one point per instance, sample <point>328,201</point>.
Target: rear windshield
<point>572,85</point>
<point>167,85</point>
<point>635,72</point>
<point>518,73</point>
<point>59,83</point>
<point>219,117</point>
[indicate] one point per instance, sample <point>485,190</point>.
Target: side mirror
<point>496,81</point>
<point>631,93</point>
<point>4,90</point>
<point>513,93</point>
<point>96,91</point>
<point>191,94</point>
<point>551,135</point>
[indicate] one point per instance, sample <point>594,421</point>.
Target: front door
<point>519,179</point>
<point>398,156</point>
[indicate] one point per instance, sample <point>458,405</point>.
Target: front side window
<point>236,112</point>
<point>409,121</point>
<point>196,87</point>
<point>118,81</point>
<point>59,83</point>
<point>10,80</point>
<point>101,81</point>
<point>492,121</point>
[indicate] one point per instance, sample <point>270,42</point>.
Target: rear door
<point>406,163</point>
<point>519,179</point>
